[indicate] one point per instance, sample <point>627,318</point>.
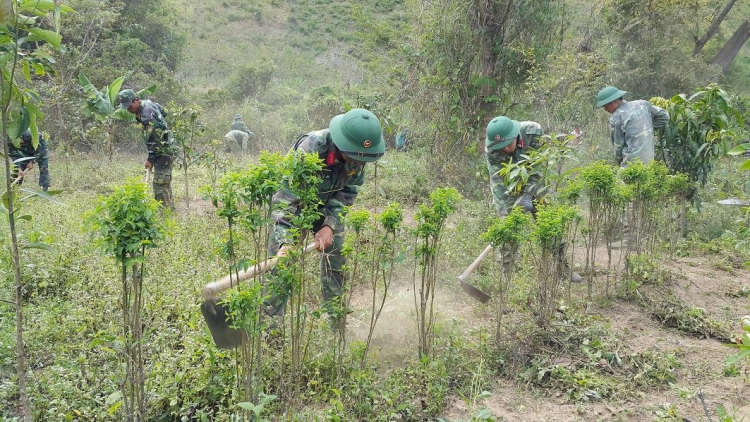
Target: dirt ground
<point>696,281</point>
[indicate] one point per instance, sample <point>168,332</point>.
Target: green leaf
<point>745,165</point>
<point>49,36</point>
<point>738,357</point>
<point>739,149</point>
<point>38,245</point>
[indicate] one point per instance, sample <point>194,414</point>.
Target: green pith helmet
<point>501,131</point>
<point>126,97</point>
<point>358,134</point>
<point>607,95</point>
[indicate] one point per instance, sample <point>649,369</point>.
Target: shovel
<point>468,288</point>
<point>215,313</point>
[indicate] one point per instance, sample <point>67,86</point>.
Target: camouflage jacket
<point>26,150</point>
<point>632,128</point>
<point>340,183</point>
<point>156,133</point>
<point>240,125</point>
<point>503,200</point>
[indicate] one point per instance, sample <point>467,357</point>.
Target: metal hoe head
<point>219,324</point>
<point>473,291</point>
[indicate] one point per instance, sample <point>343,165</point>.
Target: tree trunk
<point>700,43</point>
<point>725,57</point>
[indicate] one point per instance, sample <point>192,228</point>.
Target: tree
<point>725,57</point>
<point>701,42</point>
<point>21,38</point>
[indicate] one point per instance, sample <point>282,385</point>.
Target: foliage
<point>741,149</point>
<point>672,312</point>
<point>742,343</point>
<point>700,129</point>
<point>430,223</point>
<point>582,358</point>
<point>127,221</point>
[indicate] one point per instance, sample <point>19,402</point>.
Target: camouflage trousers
<point>331,274</point>
<point>162,183</point>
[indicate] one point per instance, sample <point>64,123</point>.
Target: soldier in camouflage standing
<point>159,142</point>
<point>25,156</point>
<point>506,141</point>
<point>631,125</point>
<point>351,140</point>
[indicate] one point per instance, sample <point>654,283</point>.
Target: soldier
<point>239,124</point>
<point>505,142</point>
<point>235,137</point>
<point>24,156</point>
<point>631,125</point>
<point>351,140</point>
<point>159,142</point>
<point>239,133</point>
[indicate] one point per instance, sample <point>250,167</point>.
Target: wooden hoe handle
<point>212,289</point>
<point>470,269</point>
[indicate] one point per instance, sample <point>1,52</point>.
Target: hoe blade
<point>473,291</point>
<point>219,324</point>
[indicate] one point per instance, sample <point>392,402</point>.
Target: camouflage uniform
<point>632,128</point>
<point>40,156</point>
<point>236,138</point>
<point>504,202</point>
<point>161,148</point>
<point>339,187</point>
<point>240,125</point>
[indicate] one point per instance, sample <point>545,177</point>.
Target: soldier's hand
<point>149,165</point>
<point>29,166</point>
<point>283,251</point>
<point>324,238</point>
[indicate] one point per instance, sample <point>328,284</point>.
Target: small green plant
<point>430,223</point>
<point>506,235</point>
<point>187,130</point>
<point>555,225</point>
<point>126,224</point>
<point>700,129</point>
<point>256,410</point>
<point>741,342</point>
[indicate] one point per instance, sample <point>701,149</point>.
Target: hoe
<point>215,313</point>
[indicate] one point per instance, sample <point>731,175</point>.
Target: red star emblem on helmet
<point>367,143</point>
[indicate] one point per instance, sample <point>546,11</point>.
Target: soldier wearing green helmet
<point>351,140</point>
<point>631,125</point>
<point>506,141</point>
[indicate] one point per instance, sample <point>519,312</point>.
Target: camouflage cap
<point>126,97</point>
<point>237,116</point>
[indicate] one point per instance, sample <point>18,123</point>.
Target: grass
<point>73,318</point>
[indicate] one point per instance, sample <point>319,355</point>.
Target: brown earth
<point>695,281</point>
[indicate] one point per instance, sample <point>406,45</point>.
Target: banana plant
<point>103,107</point>
<point>102,104</point>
